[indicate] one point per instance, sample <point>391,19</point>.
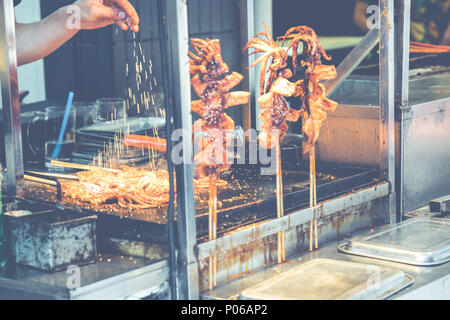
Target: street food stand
<point>371,173</point>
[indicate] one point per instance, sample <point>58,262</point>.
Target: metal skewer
<point>62,164</point>
<point>280,205</point>
<point>213,228</point>
<point>54,175</point>
<point>40,180</point>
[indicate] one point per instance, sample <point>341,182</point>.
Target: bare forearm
<point>39,39</point>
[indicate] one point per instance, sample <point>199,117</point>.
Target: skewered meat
<point>272,100</point>
<point>418,47</point>
<point>310,90</point>
<point>153,143</point>
<point>313,51</point>
<point>127,188</point>
<point>210,83</point>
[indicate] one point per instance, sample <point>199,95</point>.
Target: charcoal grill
<point>247,199</point>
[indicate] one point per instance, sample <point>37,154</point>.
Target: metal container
<point>441,205</point>
<point>350,136</point>
<point>327,279</point>
<point>420,242</point>
<point>52,240</point>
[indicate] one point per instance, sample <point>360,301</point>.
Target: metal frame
<point>247,22</point>
<point>418,181</point>
<point>292,220</point>
<point>262,14</point>
<point>187,235</point>
<point>189,251</point>
<point>429,283</point>
<point>127,284</point>
<point>402,39</point>
<point>10,98</point>
<point>422,117</point>
<point>387,106</point>
<point>402,34</point>
<point>167,78</point>
<point>425,142</point>
<point>387,150</point>
<point>353,59</point>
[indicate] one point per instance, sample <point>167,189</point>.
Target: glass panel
<point>110,168</point>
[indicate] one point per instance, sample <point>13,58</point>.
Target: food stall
<point>241,234</point>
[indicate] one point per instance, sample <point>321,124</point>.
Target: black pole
<point>167,72</point>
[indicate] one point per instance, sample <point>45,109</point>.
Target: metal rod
<point>62,164</point>
<point>167,67</point>
<point>247,24</point>
<point>316,235</point>
<point>54,175</point>
<point>402,39</point>
<point>353,59</point>
<point>188,283</point>
<point>280,204</point>
<point>10,98</point>
<point>387,101</point>
<point>40,180</point>
<point>263,13</point>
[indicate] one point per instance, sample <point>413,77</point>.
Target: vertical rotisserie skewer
<point>212,84</point>
<point>276,112</point>
<point>315,104</point>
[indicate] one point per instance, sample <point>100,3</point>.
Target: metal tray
<point>248,198</point>
<point>419,241</point>
<point>131,125</point>
<point>52,240</point>
<point>327,279</point>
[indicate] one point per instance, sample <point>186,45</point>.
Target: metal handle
<point>136,141</point>
<point>33,122</point>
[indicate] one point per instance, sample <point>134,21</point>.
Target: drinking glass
<point>33,129</point>
<point>53,121</point>
<point>111,109</point>
<point>87,113</point>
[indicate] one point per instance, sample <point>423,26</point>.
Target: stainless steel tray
<point>327,279</point>
<point>419,241</point>
<point>135,124</point>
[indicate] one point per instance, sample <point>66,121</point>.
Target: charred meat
<point>212,85</point>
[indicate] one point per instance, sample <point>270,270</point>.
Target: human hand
<point>96,14</point>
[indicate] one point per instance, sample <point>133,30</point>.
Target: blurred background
<point>93,63</point>
<point>110,63</point>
